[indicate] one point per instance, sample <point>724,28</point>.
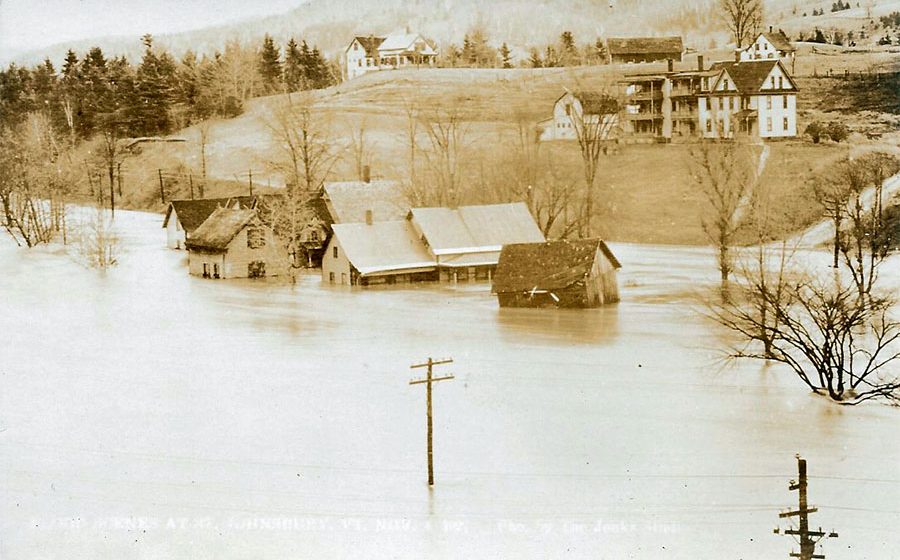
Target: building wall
<point>235,261</point>
<point>174,232</point>
<point>335,265</point>
<point>777,115</point>
<point>356,61</point>
<point>620,58</point>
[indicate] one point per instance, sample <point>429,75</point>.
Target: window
<point>331,277</point>
<point>343,277</point>
<point>256,237</point>
<point>769,124</point>
<point>773,82</point>
<point>359,62</point>
<point>735,103</point>
<point>708,125</point>
<point>215,270</point>
<point>786,124</point>
<point>725,83</point>
<point>334,251</point>
<point>780,82</point>
<point>314,235</point>
<point>355,46</point>
<point>768,102</point>
<point>785,102</point>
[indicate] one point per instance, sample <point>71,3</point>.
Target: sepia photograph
<point>446,279</point>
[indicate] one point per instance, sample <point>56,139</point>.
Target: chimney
<point>366,174</point>
<point>671,65</point>
<point>368,217</point>
<point>770,29</point>
<point>737,55</point>
<point>700,63</point>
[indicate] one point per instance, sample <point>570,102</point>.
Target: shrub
<point>815,131</point>
<point>837,131</point>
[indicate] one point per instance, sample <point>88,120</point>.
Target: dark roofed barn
<point>185,216</point>
<point>644,49</point>
<point>568,274</point>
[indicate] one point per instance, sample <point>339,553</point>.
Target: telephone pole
<point>429,379</point>
<point>808,539</point>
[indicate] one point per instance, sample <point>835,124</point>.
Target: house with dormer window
<point>756,98</point>
<point>771,46</point>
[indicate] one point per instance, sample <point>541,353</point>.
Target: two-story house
<point>749,97</point>
<point>398,50</point>
<point>771,45</point>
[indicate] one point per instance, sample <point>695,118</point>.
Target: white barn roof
<point>383,247</point>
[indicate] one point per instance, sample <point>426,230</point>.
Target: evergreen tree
<point>94,78</point>
<point>306,61</point>
<point>505,56</point>
<point>568,51</point>
<point>270,65</point>
<point>153,91</point>
<point>534,60</point>
<point>293,66</point>
<point>600,50</point>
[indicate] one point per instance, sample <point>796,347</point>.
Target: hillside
<point>648,191</point>
<point>330,23</point>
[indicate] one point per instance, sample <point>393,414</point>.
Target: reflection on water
<point>261,419</point>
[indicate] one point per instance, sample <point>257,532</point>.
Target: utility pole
<point>162,192</point>
<point>429,379</point>
<point>250,176</point>
<point>191,181</point>
<point>119,171</point>
<point>808,539</point>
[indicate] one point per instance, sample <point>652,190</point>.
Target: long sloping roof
<point>383,247</point>
<point>779,40</point>
<point>476,228</point>
<point>748,75</point>
<point>370,44</point>
<point>220,228</point>
<point>349,201</point>
<point>645,45</point>
<point>405,42</point>
<point>553,265</point>
<point>596,102</point>
<point>192,213</point>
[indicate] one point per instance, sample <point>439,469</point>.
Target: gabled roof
<point>645,45</point>
<point>383,247</point>
<point>469,229</point>
<point>192,213</point>
<point>348,201</point>
<point>779,40</point>
<point>553,265</point>
<point>220,228</point>
<point>404,42</point>
<point>750,75</point>
<point>370,44</point>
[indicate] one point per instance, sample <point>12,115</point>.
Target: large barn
<point>644,49</point>
<point>568,274</point>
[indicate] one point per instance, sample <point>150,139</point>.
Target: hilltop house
<point>771,45</point>
<point>757,98</point>
<point>573,106</point>
<point>644,49</point>
<point>455,245</point>
<point>185,216</point>
<point>560,273</point>
<point>234,243</point>
<point>398,50</point>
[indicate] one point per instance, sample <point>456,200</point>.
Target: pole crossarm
<point>432,363</point>
<point>420,381</point>
<point>428,381</point>
<point>798,512</point>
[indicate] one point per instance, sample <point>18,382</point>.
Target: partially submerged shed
<point>561,273</point>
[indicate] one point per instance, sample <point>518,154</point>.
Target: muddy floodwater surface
<point>148,414</point>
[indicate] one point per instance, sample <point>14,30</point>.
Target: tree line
<point>477,52</point>
<point>159,94</point>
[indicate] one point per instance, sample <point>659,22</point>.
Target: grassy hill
<point>647,190</point>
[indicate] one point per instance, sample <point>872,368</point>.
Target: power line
<point>808,538</point>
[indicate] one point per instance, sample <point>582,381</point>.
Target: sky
<point>32,24</point>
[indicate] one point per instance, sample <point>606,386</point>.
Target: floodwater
<point>148,414</point>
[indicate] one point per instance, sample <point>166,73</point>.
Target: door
<point>215,270</point>
<point>206,270</point>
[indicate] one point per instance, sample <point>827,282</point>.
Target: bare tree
<point>834,345</point>
<point>743,18</point>
<point>724,174</point>
<point>306,156</point>
<point>446,129</point>
<point>593,117</point>
<point>203,133</point>
<point>359,148</point>
<point>98,242</point>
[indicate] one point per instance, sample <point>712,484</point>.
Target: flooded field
<point>146,414</point>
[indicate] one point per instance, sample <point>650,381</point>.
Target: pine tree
<point>293,66</point>
<point>505,56</point>
<point>535,59</point>
<point>600,50</point>
<point>308,65</point>
<point>96,92</point>
<point>568,51</point>
<point>154,82</point>
<point>270,65</point>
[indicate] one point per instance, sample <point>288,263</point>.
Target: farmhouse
<point>234,243</point>
<point>454,245</point>
<point>756,98</point>
<point>398,50</point>
<point>185,216</point>
<point>575,107</point>
<point>644,49</point>
<point>557,274</point>
<point>771,45</point>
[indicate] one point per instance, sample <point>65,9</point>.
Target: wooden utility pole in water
<point>429,379</point>
<point>808,539</point>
